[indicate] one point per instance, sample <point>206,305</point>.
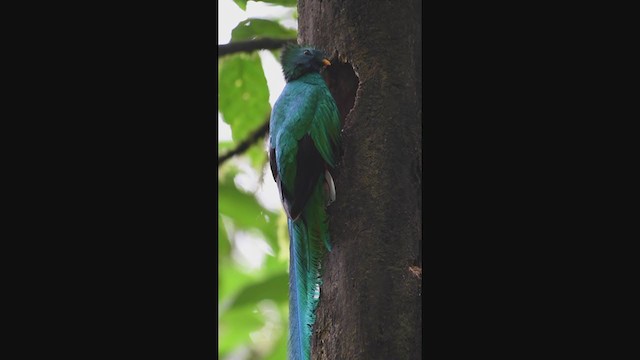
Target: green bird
<point>304,141</point>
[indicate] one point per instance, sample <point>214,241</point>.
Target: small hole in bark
<point>343,84</point>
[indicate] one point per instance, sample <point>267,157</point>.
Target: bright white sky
<point>251,249</point>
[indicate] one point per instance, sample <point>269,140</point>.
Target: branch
<point>246,144</point>
<point>252,45</point>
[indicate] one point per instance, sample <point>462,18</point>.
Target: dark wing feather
<point>272,162</point>
<point>284,194</point>
<point>310,166</point>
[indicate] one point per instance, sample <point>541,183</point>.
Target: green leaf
<point>282,234</point>
<point>282,2</point>
<point>242,4</point>
<point>243,95</point>
<point>280,349</point>
<point>231,280</point>
<point>275,288</point>
<point>270,235</point>
<point>257,155</point>
<point>224,146</point>
<point>253,28</point>
<point>241,207</point>
<point>224,246</point>
<point>246,212</point>
<point>276,264</point>
<point>235,326</point>
<point>227,172</point>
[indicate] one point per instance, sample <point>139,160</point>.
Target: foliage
<point>243,96</point>
<point>243,3</point>
<point>260,28</point>
<point>252,300</point>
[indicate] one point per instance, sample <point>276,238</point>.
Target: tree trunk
<point>370,306</point>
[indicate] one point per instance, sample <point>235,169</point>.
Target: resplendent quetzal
<point>303,146</point>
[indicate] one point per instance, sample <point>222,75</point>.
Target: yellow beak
<point>326,62</point>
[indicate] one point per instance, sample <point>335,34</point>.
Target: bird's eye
<point>307,52</point>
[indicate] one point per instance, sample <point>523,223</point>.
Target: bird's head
<point>298,60</point>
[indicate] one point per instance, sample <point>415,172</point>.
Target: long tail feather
<point>309,242</point>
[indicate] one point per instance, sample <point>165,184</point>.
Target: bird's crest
<point>298,60</point>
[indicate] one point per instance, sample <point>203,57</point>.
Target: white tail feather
<point>329,187</point>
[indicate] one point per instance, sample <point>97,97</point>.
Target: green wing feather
<point>325,127</point>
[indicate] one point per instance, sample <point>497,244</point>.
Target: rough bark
<point>370,304</point>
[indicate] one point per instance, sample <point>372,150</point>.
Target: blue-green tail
<point>309,242</point>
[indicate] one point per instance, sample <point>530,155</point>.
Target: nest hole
<point>343,84</point>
